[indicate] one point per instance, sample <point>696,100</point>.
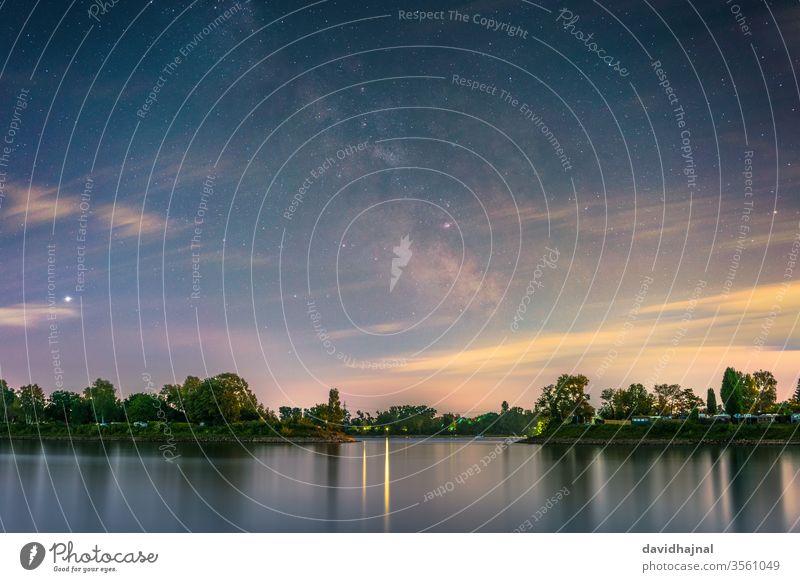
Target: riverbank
<point>175,432</point>
<point>341,439</point>
<point>656,442</point>
<point>671,433</point>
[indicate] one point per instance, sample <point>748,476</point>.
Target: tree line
<point>740,393</point>
<point>227,399</point>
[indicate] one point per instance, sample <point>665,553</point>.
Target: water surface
<point>396,485</point>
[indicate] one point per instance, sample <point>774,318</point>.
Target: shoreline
<point>184,439</point>
<point>656,442</point>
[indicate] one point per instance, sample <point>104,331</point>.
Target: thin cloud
<point>33,314</point>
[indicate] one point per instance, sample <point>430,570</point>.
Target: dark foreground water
<point>382,485</point>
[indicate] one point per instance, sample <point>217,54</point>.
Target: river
<point>397,485</point>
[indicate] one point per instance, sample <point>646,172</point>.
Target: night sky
<point>451,210</point>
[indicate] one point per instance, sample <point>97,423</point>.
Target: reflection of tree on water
<point>332,465</point>
<point>761,491</point>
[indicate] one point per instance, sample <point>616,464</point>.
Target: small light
<point>68,299</point>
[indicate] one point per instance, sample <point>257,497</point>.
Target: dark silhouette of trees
<point>103,402</point>
<point>67,407</point>
<point>766,388</point>
<point>731,391</point>
<point>226,399</point>
<point>667,398</point>
<point>8,402</point>
<point>32,401</point>
<point>565,399</point>
<point>711,401</point>
<point>623,403</point>
<point>141,407</point>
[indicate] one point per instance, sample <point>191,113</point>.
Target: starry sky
<point>449,207</point>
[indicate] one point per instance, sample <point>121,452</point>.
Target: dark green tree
<point>62,407</point>
<point>639,401</point>
<point>103,401</point>
<point>32,401</point>
<point>335,412</point>
<point>173,395</point>
<point>8,402</point>
<point>289,414</point>
<point>565,399</point>
<point>142,407</point>
<point>214,401</point>
<point>749,391</point>
<point>711,401</point>
<point>731,391</point>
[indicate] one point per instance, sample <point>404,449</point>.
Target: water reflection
<point>363,479</point>
<point>386,487</point>
<point>224,487</point>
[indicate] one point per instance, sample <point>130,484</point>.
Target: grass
<point>680,431</point>
<point>164,431</point>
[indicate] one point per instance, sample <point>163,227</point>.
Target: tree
<point>213,401</point>
<point>104,404</point>
<point>225,398</point>
<point>711,401</point>
<point>608,397</point>
<point>766,386</point>
<point>731,391</point>
<point>332,414</point>
<point>63,407</point>
<point>796,395</point>
<point>246,402</point>
<point>565,399</point>
<point>689,403</point>
<point>289,414</point>
<point>335,412</point>
<point>639,401</point>
<point>749,391</point>
<point>173,395</point>
<point>8,402</point>
<point>667,397</point>
<point>141,407</point>
<point>31,400</point>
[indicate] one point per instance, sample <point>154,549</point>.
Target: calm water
<point>381,485</point>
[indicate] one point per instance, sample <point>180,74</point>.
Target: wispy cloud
<point>41,205</point>
<point>127,222</point>
<point>33,314</point>
<point>37,208</point>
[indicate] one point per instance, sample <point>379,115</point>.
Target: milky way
<point>447,205</point>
